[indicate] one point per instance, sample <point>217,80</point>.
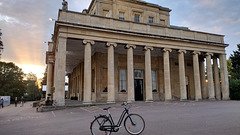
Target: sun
<point>35,69</point>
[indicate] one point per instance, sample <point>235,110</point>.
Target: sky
<point>26,27</point>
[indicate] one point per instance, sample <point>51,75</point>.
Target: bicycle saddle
<point>106,108</point>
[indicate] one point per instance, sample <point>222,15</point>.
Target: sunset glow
<point>35,69</point>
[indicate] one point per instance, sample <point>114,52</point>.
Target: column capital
<point>208,53</point>
<point>51,62</point>
<point>196,52</point>
<point>111,44</point>
<point>148,48</point>
<point>167,49</point>
<point>130,46</point>
<point>88,41</point>
<point>182,51</point>
<point>215,56</point>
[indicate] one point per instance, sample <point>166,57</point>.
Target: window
<point>138,74</point>
<point>121,16</point>
<point>123,80</point>
<point>136,17</point>
<point>154,80</point>
<point>150,19</point>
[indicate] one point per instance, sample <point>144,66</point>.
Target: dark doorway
<point>138,89</point>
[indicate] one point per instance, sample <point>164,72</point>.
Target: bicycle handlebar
<point>124,103</point>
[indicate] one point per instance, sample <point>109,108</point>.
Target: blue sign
<point>6,100</point>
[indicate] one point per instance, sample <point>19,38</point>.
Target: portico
<point>107,59</point>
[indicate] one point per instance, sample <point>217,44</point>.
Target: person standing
<point>1,102</point>
<point>16,100</point>
<point>22,101</point>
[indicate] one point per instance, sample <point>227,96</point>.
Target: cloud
<point>14,21</point>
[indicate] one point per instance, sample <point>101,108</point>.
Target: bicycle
<point>134,124</point>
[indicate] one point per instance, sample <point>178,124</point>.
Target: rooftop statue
<point>65,5</point>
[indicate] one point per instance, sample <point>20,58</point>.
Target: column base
<point>183,100</point>
<point>212,99</point>
<point>87,103</point>
<point>226,99</point>
<point>198,99</point>
<point>149,101</point>
<point>111,102</point>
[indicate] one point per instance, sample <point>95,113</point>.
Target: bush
<point>234,86</point>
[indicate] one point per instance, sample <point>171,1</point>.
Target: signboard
<point>6,100</point>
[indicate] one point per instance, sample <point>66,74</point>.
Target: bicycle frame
<point>125,111</point>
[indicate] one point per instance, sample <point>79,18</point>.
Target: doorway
<point>138,83</point>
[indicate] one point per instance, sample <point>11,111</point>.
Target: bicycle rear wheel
<point>134,124</point>
<point>101,126</point>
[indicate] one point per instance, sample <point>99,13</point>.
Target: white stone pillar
<point>111,75</point>
<point>182,76</point>
<point>130,73</point>
<point>210,85</point>
<point>60,73</point>
<point>197,83</point>
<point>166,68</point>
<point>148,74</point>
<point>224,76</point>
<point>216,78</point>
<point>203,79</point>
<point>87,71</point>
<point>49,80</point>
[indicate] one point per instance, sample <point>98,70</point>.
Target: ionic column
<point>182,79</point>
<point>111,88</point>
<point>148,74</point>
<point>216,78</point>
<point>130,73</point>
<point>87,71</point>
<point>224,76</point>
<point>210,85</point>
<point>60,72</point>
<point>203,79</point>
<point>166,68</point>
<point>49,80</point>
<point>197,83</point>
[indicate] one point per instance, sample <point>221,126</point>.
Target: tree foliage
<point>32,91</point>
<point>1,44</point>
<point>234,71</point>
<point>11,80</point>
<point>235,59</point>
<point>44,81</point>
<point>234,86</point>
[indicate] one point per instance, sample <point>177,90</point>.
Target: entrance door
<point>138,89</point>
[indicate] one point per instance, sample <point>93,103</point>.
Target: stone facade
<point>126,50</point>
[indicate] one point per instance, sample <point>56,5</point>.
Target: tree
<point>44,81</point>
<point>1,44</point>
<point>11,80</point>
<point>234,81</point>
<point>32,91</point>
<point>235,58</point>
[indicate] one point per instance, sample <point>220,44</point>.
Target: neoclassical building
<point>126,50</point>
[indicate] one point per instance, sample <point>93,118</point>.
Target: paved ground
<point>162,118</point>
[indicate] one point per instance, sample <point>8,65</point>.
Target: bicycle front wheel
<point>101,126</point>
<point>134,124</point>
